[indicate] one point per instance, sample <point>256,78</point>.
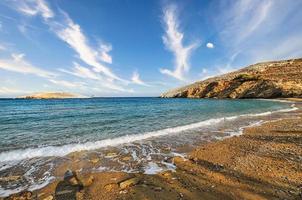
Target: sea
<point>120,134</point>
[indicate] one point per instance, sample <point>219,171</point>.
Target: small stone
<point>166,174</point>
<point>123,192</point>
<point>9,178</point>
<point>49,198</point>
<point>158,189</point>
<point>128,183</point>
<point>40,195</point>
<point>110,187</point>
<point>73,181</point>
<point>68,174</point>
<point>111,155</point>
<point>95,160</point>
<point>127,158</point>
<point>28,195</point>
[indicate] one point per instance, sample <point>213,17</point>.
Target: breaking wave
<point>59,151</point>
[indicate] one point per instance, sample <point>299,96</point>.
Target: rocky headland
<point>50,95</point>
<point>277,79</point>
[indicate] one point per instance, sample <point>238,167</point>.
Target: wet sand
<point>263,163</point>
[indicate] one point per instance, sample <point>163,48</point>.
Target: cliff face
<point>262,80</point>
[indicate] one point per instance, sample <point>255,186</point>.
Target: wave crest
<point>59,151</point>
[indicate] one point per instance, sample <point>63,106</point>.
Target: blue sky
<point>138,48</point>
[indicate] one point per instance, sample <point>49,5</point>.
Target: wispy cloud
<point>258,30</point>
<point>173,40</point>
<point>243,18</point>
<point>67,84</point>
<point>82,72</point>
<point>104,53</point>
<point>72,34</point>
<point>17,63</point>
<point>10,91</point>
<point>137,80</point>
<point>35,7</point>
<point>98,81</point>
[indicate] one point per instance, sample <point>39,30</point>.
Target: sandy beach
<point>151,100</point>
<point>262,163</point>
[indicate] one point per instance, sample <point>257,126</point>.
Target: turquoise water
<point>40,123</point>
<point>36,135</point>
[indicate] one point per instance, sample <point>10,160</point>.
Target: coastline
<point>262,163</point>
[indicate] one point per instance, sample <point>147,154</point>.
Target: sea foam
<point>58,151</point>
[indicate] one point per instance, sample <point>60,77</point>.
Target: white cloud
<point>9,91</point>
<point>136,79</point>
<point>210,45</point>
<point>35,7</point>
<point>252,31</point>
<point>67,84</point>
<point>82,72</point>
<point>72,34</point>
<point>98,81</point>
<point>104,53</point>
<point>173,40</point>
<point>242,18</point>
<point>18,64</point>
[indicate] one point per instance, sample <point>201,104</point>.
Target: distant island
<point>263,80</point>
<point>50,95</point>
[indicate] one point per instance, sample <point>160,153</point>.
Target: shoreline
<point>68,149</point>
<point>253,165</point>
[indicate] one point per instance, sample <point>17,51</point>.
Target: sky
<point>138,48</point>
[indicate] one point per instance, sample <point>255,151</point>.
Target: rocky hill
<point>262,80</point>
<point>50,95</point>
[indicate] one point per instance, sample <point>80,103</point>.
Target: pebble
<point>49,198</point>
<point>110,155</point>
<point>68,174</point>
<point>158,189</point>
<point>95,160</point>
<point>10,178</point>
<point>166,174</point>
<point>129,182</point>
<point>73,181</point>
<point>123,191</point>
<point>127,158</point>
<point>110,187</point>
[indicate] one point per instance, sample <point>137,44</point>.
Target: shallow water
<point>144,132</point>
